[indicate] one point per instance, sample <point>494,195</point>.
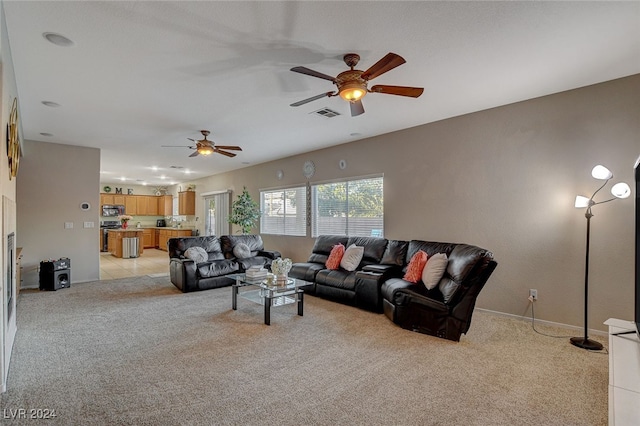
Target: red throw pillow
<point>333,262</point>
<point>416,265</point>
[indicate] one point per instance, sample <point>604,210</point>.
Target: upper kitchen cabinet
<point>130,205</point>
<point>112,199</point>
<point>165,205</point>
<point>187,203</point>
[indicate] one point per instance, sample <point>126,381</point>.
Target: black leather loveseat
<point>378,285</point>
<point>222,258</point>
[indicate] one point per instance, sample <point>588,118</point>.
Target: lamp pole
<point>585,342</point>
<point>619,190</point>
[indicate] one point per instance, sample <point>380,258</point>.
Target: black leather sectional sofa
<point>221,260</point>
<point>377,284</point>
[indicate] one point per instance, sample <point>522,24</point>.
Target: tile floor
<point>152,262</point>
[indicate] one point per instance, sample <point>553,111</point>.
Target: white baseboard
<point>543,322</point>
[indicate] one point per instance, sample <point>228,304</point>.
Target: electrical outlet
<point>533,294</point>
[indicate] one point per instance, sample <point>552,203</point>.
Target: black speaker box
<point>55,274</point>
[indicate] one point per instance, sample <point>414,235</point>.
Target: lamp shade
<point>621,190</point>
<point>581,202</point>
<point>601,172</point>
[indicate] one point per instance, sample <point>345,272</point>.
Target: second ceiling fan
<point>352,84</point>
<point>207,147</point>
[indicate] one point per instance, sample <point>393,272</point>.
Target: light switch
<point>68,225</point>
<point>88,225</point>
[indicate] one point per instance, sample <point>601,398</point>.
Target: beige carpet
<point>138,352</point>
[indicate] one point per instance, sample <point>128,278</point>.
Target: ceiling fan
<point>352,84</point>
<point>207,147</point>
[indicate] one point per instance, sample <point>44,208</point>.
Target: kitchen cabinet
<point>165,234</point>
<point>187,203</point>
<point>152,205</point>
<point>148,238</point>
<point>141,205</point>
<point>130,206</point>
<point>112,199</point>
<point>165,205</point>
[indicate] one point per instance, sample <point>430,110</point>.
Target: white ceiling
<point>146,74</point>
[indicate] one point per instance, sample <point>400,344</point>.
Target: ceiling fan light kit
<point>352,84</point>
<point>206,147</point>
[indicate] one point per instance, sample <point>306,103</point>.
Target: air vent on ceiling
<point>176,167</point>
<point>326,112</point>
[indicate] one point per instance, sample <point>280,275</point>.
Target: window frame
<point>298,227</point>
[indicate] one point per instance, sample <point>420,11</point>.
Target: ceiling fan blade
<point>228,154</point>
<point>389,62</point>
<point>192,140</point>
<point>412,92</point>
<point>356,108</point>
<point>313,98</point>
<point>312,73</point>
<point>177,146</point>
<point>195,154</point>
<point>231,147</point>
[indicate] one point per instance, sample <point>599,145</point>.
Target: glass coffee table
<point>268,294</point>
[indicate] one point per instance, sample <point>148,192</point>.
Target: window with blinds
<point>353,208</point>
<point>284,211</point>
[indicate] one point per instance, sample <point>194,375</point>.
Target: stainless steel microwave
<point>112,210</point>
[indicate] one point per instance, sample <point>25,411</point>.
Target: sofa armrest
<point>270,254</point>
<point>367,289</point>
<point>183,274</point>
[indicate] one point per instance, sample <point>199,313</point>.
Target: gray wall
<point>54,179</point>
<point>504,179</point>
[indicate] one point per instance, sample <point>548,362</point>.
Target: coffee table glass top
<point>268,293</point>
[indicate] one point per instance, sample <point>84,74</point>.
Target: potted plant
<point>244,212</point>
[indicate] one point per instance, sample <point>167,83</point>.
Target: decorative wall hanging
<point>13,143</point>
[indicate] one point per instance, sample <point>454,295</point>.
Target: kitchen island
<point>116,237</point>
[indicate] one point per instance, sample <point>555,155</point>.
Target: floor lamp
<point>619,190</point>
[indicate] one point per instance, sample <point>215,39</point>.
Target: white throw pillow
<point>352,257</point>
<point>434,270</point>
<point>241,251</point>
<point>197,254</point>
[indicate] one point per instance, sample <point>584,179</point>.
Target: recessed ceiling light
<point>144,183</point>
<point>154,168</point>
<point>187,172</point>
<point>58,39</point>
<point>46,134</point>
<point>163,177</point>
<point>50,104</point>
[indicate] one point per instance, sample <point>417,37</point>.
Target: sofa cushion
<point>241,251</point>
<point>434,270</point>
<point>337,252</point>
<point>338,279</point>
<point>395,253</point>
<point>323,246</point>
<point>228,242</point>
<point>374,248</point>
<point>352,257</point>
<point>218,268</point>
<point>197,254</point>
<point>210,244</point>
<point>415,267</point>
